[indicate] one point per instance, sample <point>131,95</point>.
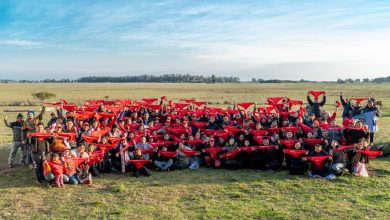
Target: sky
<point>313,40</point>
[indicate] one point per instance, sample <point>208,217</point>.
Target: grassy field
<point>204,193</point>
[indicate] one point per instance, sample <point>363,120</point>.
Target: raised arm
<point>322,103</point>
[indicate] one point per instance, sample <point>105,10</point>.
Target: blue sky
<point>316,40</point>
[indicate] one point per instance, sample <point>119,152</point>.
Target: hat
<point>212,139</point>
<point>29,111</point>
<point>19,115</point>
<point>86,123</point>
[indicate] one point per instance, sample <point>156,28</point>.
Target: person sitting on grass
<point>318,160</point>
<point>143,170</point>
<point>163,163</point>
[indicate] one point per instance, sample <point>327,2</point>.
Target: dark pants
<point>39,166</point>
<point>372,137</point>
<point>141,171</point>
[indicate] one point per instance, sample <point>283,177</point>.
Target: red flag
<point>316,94</point>
<point>295,102</point>
<point>105,147</point>
<point>139,163</point>
<point>181,106</point>
<point>199,103</point>
<point>358,100</point>
<point>167,153</point>
<point>189,153</point>
<point>290,129</point>
<point>295,153</point>
<point>114,140</point>
<point>70,108</point>
<point>371,153</point>
<point>312,141</point>
<point>245,105</point>
<point>231,154</point>
<point>318,161</point>
<point>288,143</point>
<point>213,151</point>
<point>338,103</point>
<point>90,139</point>
<point>150,100</point>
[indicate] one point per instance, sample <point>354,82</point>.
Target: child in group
<point>58,169</point>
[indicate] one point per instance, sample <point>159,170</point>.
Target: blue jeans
<point>73,180</point>
<point>337,168</point>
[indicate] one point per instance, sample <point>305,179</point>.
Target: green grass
<point>204,193</point>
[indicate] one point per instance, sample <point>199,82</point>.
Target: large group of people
<point>157,135</point>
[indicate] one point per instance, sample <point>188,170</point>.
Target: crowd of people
<point>156,134</point>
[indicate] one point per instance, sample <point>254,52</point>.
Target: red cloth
<point>273,130</point>
<point>199,103</point>
<point>115,109</point>
<point>338,103</point>
<point>90,139</point>
<point>317,94</point>
<point>124,101</point>
<point>148,151</point>
<point>312,141</point>
<point>96,156</point>
<point>73,163</point>
<point>39,135</point>
<point>199,124</point>
<point>358,99</point>
<point>318,161</point>
<point>295,102</point>
<point>154,107</point>
<point>163,97</point>
<point>230,154</point>
<point>99,132</point>
<point>150,100</point>
<point>167,153</point>
<point>258,132</point>
<point>213,151</point>
<point>108,102</point>
<point>106,115</point>
<point>371,153</point>
<point>233,111</point>
<point>189,153</point>
<point>245,105</point>
<point>295,153</point>
<point>232,129</point>
<point>266,109</point>
<point>274,100</point>
<point>57,167</point>
<point>193,142</point>
<point>288,143</point>
<point>269,147</point>
<point>69,108</point>
<point>181,106</point>
<point>105,147</point>
<point>290,129</point>
<point>70,136</point>
<point>139,163</point>
<point>342,148</point>
<point>306,128</point>
<point>247,149</point>
<point>53,103</point>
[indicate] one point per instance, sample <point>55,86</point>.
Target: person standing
<point>29,125</point>
<point>16,127</point>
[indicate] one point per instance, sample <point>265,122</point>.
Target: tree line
<point>185,78</point>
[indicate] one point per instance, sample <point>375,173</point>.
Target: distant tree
<point>254,80</point>
<point>357,80</point>
<point>43,95</point>
<point>366,80</point>
<point>340,81</point>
